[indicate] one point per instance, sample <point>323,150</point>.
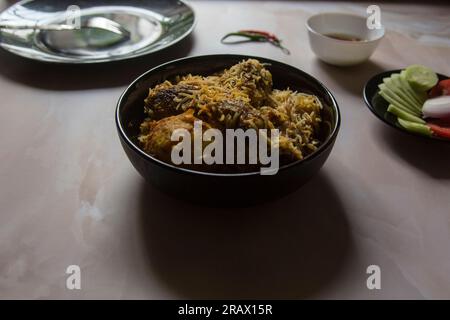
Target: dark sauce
<point>342,36</point>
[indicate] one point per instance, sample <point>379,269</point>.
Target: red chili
<point>257,36</point>
<point>268,35</point>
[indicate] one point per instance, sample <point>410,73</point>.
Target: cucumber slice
<point>397,89</point>
<point>404,115</point>
<point>420,77</point>
<point>386,95</point>
<point>415,127</point>
<point>405,110</point>
<point>420,96</point>
<point>390,97</point>
<point>409,94</point>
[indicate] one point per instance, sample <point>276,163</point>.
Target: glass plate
<point>153,25</point>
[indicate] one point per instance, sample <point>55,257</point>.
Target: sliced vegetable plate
<point>397,98</point>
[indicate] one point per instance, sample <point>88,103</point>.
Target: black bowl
<point>376,103</point>
<point>223,189</point>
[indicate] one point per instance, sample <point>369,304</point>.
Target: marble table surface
<point>69,195</point>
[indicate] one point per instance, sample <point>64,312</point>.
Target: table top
<point>69,195</point>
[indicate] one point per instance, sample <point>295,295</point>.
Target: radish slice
<point>437,107</point>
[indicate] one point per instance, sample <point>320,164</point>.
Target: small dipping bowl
<point>342,39</point>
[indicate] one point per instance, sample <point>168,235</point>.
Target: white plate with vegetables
<point>415,100</point>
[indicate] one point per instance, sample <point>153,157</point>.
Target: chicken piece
<point>165,99</point>
<point>232,114</point>
<point>250,77</point>
<point>156,135</point>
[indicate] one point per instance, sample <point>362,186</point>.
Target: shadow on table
<point>431,157</point>
<point>79,77</point>
<point>352,79</point>
<point>291,248</point>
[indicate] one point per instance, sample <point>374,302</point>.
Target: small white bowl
<point>342,52</point>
